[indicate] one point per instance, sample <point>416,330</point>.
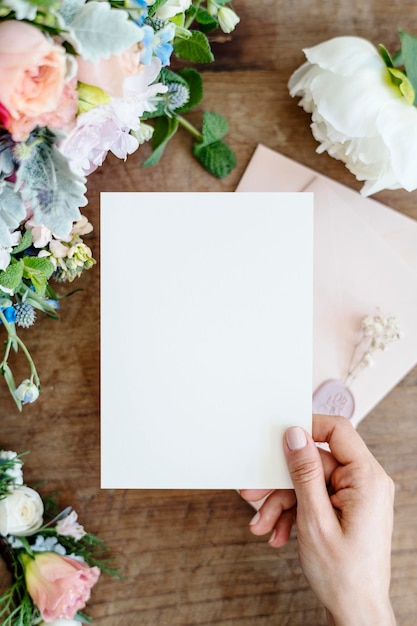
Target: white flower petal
<point>342,55</point>
<point>352,105</point>
<point>397,123</point>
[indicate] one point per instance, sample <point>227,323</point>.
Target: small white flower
<point>14,472</point>
<point>48,544</point>
<point>228,20</point>
<point>69,527</point>
<point>27,392</point>
<point>358,115</point>
<point>5,252</point>
<point>172,7</point>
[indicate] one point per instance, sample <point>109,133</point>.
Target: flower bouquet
<point>79,79</point>
<point>363,102</point>
<point>54,564</point>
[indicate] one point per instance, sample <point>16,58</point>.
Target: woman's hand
<point>342,504</point>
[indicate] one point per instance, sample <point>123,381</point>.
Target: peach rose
<point>59,585</point>
<point>109,74</point>
<point>33,72</point>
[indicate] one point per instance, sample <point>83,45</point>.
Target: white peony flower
<point>358,115</point>
<point>21,512</point>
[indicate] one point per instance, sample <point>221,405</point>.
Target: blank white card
<point>206,337</point>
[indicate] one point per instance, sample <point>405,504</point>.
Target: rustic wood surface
<point>187,556</point>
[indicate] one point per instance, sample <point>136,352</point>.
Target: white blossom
<point>358,115</point>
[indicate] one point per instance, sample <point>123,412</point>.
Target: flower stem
<point>191,17</point>
<point>12,336</point>
<point>188,126</point>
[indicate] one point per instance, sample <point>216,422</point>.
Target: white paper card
<point>206,337</point>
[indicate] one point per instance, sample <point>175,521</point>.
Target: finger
<point>344,441</point>
<point>329,464</point>
<point>307,474</point>
<point>254,495</point>
<point>282,531</point>
<point>271,510</point>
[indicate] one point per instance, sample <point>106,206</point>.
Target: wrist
<point>380,613</point>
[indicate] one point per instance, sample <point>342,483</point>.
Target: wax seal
<point>333,398</point>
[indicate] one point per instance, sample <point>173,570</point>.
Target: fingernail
<point>255,519</point>
<point>296,438</point>
<point>272,537</point>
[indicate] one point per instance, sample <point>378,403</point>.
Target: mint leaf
<point>216,157</point>
<point>24,243</point>
<point>165,129</point>
<point>37,270</point>
<point>11,277</point>
<point>194,48</point>
<point>214,154</point>
<point>206,21</point>
<point>409,56</point>
<point>214,127</point>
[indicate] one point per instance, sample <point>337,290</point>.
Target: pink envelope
<point>365,261</point>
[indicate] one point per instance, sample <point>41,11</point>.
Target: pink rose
<point>58,585</point>
<point>33,72</point>
<point>109,74</point>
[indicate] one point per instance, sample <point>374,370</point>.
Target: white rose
<point>171,8</point>
<point>21,512</point>
<point>358,115</point>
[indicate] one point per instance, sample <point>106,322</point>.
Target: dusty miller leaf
<point>52,189</point>
<point>12,212</point>
<point>101,31</point>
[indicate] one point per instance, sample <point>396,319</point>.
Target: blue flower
<point>139,11</point>
<point>160,44</point>
<point>147,43</point>
<point>9,313</point>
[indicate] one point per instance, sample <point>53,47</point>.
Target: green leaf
<point>10,277</point>
<point>403,84</point>
<point>194,48</point>
<point>214,154</point>
<point>207,21</point>
<point>409,55</point>
<point>216,157</point>
<point>165,129</point>
<point>37,270</point>
<point>386,57</point>
<point>214,127</point>
<point>10,382</point>
<point>24,243</point>
<point>195,85</point>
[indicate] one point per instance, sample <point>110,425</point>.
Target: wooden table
<point>187,556</point>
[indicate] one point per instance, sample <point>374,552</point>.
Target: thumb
<point>307,473</point>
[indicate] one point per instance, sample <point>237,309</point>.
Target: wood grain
<point>187,556</point>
